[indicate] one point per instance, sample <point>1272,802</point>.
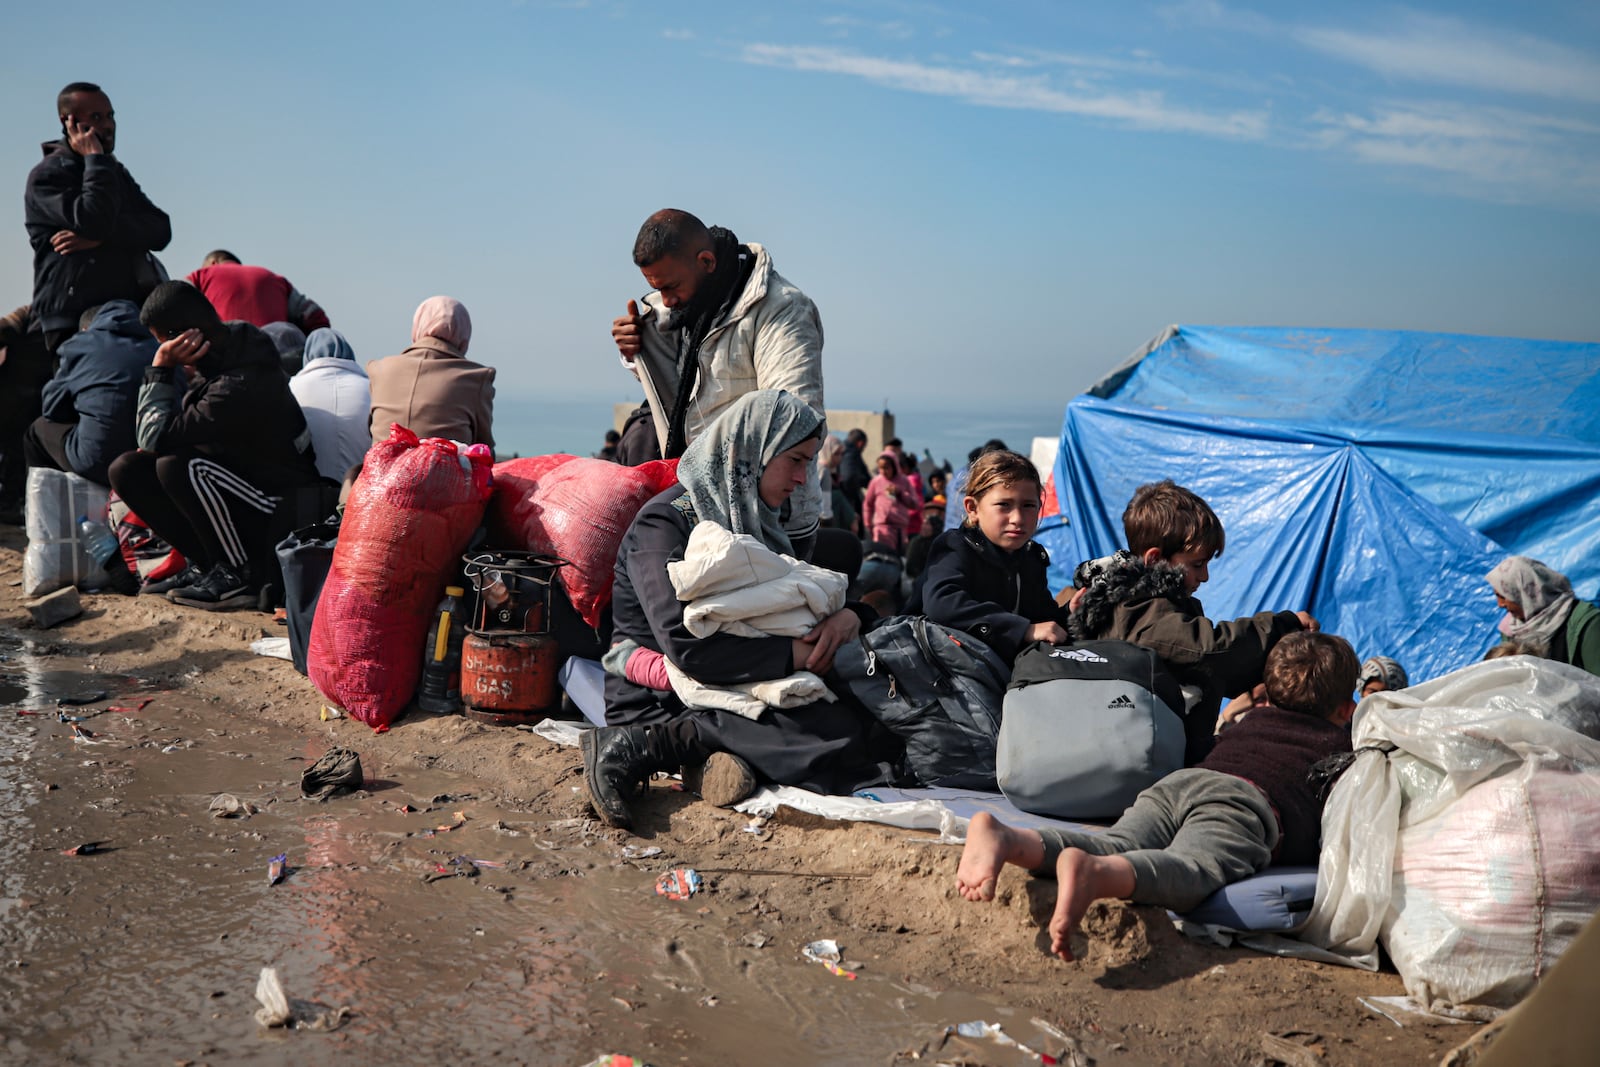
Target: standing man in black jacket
<point>92,230</point>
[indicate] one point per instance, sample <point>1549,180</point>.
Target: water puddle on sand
<point>149,948</point>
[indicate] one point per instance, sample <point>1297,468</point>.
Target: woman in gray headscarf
<point>1380,673</point>
<point>1543,616</point>
<point>740,474</point>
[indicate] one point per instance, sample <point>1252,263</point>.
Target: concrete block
<point>56,608</point>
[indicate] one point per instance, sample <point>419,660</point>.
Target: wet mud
<point>528,932</point>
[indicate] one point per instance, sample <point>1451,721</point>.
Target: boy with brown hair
<point>1144,595</point>
<point>1250,803</point>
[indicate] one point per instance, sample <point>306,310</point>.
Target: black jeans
<point>44,444</point>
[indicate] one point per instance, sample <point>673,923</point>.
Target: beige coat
<point>432,393</point>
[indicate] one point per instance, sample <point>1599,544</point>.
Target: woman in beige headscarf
<point>431,388</point>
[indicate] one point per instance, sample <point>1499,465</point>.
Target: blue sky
<point>992,204</point>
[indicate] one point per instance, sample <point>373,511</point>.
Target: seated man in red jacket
<point>215,463</point>
<point>254,294</point>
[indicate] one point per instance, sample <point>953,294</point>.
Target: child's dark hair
<point>1166,516</point>
<point>997,468</point>
<point>173,307</point>
<point>1312,673</point>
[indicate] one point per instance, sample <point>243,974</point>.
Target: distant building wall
<point>877,425</point>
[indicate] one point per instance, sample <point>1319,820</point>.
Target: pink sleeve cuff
<point>649,669</point>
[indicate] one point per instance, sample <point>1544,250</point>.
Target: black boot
<point>618,759</point>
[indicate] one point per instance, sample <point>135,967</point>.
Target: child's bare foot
<point>1083,880</point>
<point>991,844</point>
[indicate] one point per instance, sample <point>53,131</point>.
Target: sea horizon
<point>576,423</point>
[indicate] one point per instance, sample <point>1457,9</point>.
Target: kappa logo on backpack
<point>1087,727</point>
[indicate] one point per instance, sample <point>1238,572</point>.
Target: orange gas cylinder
<point>508,678</point>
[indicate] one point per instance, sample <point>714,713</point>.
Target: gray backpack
<point>1087,727</point>
<point>937,689</point>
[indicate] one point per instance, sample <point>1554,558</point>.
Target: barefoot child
<point>1249,804</point>
<point>1146,595</point>
<point>988,576</point>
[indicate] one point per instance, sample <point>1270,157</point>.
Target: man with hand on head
<point>92,231</point>
<point>91,227</point>
<point>719,322</point>
<point>215,461</point>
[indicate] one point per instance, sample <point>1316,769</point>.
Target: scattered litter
<point>494,865</point>
<point>405,809</point>
<point>62,716</point>
<point>275,647</point>
<point>1402,1010</point>
<point>710,1000</point>
<point>227,806</point>
<point>755,826</point>
<point>637,852</point>
<point>277,868</point>
<point>88,848</point>
<point>979,1028</point>
<point>83,736</point>
<point>616,1059</point>
<point>559,732</point>
<point>170,749</point>
<point>277,1010</point>
<point>826,952</point>
<point>1295,1048</point>
<point>679,884</point>
<point>338,771</point>
<point>79,701</point>
<point>757,939</point>
<point>567,824</point>
<point>21,711</point>
<point>331,712</point>
<point>274,1010</point>
<point>461,820</point>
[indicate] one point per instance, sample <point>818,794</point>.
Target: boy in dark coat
<point>1145,595</point>
<point>1252,802</point>
<point>215,462</point>
<point>89,404</point>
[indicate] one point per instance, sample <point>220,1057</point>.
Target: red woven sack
<point>577,509</point>
<point>408,519</point>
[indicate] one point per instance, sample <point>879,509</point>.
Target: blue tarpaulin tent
<point>1371,477</point>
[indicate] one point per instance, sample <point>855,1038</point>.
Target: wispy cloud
<point>678,35</point>
<point>1447,51</point>
<point>999,86</point>
<point>1497,153</point>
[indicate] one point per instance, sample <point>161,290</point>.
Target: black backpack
<point>937,689</point>
<point>1087,728</point>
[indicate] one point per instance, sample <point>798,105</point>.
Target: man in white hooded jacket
<point>720,322</point>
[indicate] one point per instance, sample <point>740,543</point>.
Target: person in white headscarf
<point>741,473</point>
<point>1543,617</point>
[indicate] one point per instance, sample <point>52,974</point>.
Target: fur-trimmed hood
<point>1115,580</point>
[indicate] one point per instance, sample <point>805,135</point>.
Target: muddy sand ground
<point>526,934</point>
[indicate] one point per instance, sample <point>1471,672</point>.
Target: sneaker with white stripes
<point>221,582</point>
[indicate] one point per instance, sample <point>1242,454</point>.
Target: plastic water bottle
<point>98,541</point>
<point>106,551</point>
<point>440,691</point>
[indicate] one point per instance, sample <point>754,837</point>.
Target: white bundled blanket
<point>732,583</point>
